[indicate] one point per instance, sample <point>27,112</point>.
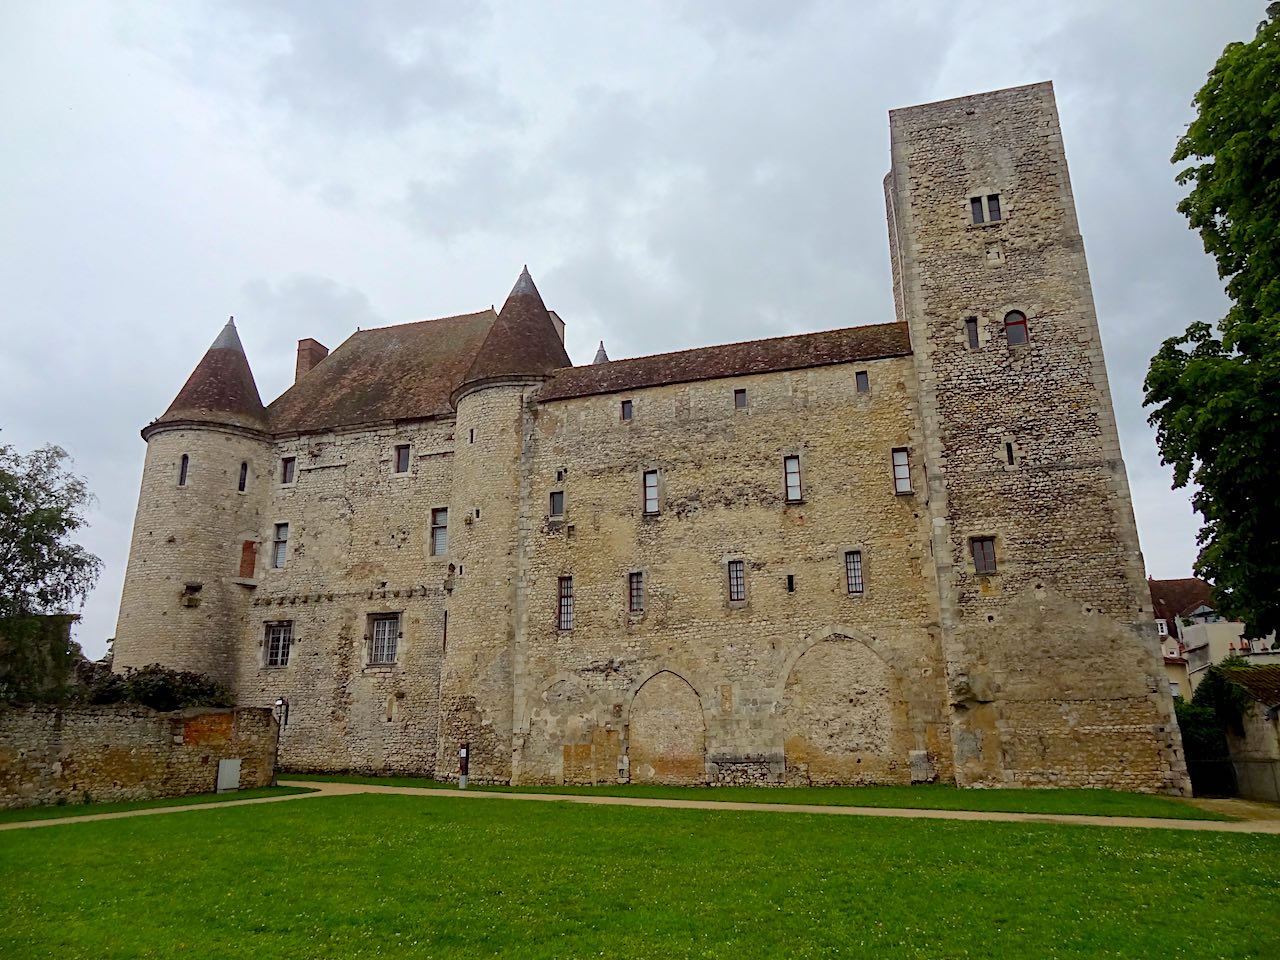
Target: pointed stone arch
<point>667,732</point>
<point>559,727</point>
<point>844,718</point>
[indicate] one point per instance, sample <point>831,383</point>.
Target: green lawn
<point>85,809</point>
<point>400,876</point>
<point>1111,803</point>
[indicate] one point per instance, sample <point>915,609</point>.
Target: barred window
<point>402,458</point>
<point>279,638</point>
<point>635,592</point>
<point>984,554</point>
<point>853,571</point>
<point>651,491</point>
<point>901,471</point>
<point>288,469</point>
<point>564,609</point>
<point>737,580</point>
<point>280,547</point>
<point>440,531</point>
<point>791,473</point>
<point>182,470</point>
<point>384,637</point>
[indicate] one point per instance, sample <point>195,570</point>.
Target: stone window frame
<point>898,490</point>
<point>372,622</point>
<point>658,491</point>
<point>996,555</point>
<point>842,553</point>
<point>983,195</point>
<point>279,546</point>
<point>788,458</point>
<point>634,612</point>
<point>1024,322</point>
<point>433,548</point>
<point>972,327</point>
<point>184,470</point>
<point>740,398</point>
<point>862,381</point>
<point>552,513</point>
<point>742,581</point>
<point>285,649</point>
<point>626,410</point>
<point>408,459</point>
<point>565,613</point>
<point>288,471</point>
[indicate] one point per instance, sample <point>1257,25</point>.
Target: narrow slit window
<point>853,571</point>
<point>471,435</point>
<point>651,491</point>
<point>244,477</point>
<point>279,638</point>
<point>993,206</point>
<point>737,580</point>
<point>384,637</point>
<point>862,381</point>
<point>635,592</point>
<point>975,209</point>
<point>627,409</point>
<point>564,608</point>
<point>288,469</point>
<point>440,531</point>
<point>984,554</point>
<point>402,458</point>
<point>557,503</point>
<point>791,474</point>
<point>791,583</point>
<point>901,471</point>
<point>740,399</point>
<point>280,546</point>
<point>971,332</point>
<point>1008,453</point>
<point>1015,327</point>
<point>182,470</point>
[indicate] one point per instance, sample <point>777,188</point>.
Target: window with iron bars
<point>279,637</point>
<point>737,580</point>
<point>384,636</point>
<point>564,609</point>
<point>635,592</point>
<point>853,571</point>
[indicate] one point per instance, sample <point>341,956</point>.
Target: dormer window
<point>1162,628</point>
<point>985,209</point>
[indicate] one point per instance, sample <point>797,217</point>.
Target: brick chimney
<point>310,352</point>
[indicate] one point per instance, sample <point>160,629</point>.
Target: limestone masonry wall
<point>110,753</point>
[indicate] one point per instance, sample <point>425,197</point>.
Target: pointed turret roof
<point>601,356</point>
<point>522,342</point>
<point>221,389</point>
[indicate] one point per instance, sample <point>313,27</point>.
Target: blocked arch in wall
<point>667,732</point>
<point>559,729</point>
<point>844,716</point>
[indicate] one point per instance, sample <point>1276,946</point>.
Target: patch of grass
<point>419,877</point>
<point>1101,803</point>
<point>85,809</point>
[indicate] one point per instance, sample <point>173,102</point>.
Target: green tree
<point>1216,394</point>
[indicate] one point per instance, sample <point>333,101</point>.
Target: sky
<point>675,174</point>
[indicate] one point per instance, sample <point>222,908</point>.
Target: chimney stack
<point>310,352</point>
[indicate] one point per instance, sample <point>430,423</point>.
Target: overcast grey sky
<point>674,173</point>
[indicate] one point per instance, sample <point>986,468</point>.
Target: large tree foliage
<point>1217,393</point>
<point>42,504</point>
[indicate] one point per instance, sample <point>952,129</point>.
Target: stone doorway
<point>667,735</point>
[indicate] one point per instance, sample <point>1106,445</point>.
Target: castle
<point>875,554</point>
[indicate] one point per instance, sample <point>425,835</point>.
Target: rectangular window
<point>1174,689</point>
<point>626,409</point>
<point>279,637</point>
<point>971,332</point>
<point>384,637</point>
<point>984,554</point>
<point>564,608</point>
<point>280,547</point>
<point>791,583</point>
<point>244,477</point>
<point>853,571</point>
<point>862,381</point>
<point>975,208</point>
<point>651,491</point>
<point>182,470</point>
<point>901,471</point>
<point>440,531</point>
<point>402,458</point>
<point>288,468</point>
<point>740,399</point>
<point>993,206</point>
<point>635,592</point>
<point>737,580</point>
<point>791,472</point>
<point>1162,628</point>
<point>557,503</point>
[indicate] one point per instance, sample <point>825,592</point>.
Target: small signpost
<point>462,765</point>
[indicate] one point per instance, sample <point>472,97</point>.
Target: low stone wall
<point>128,752</point>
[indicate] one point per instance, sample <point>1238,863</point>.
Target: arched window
<point>182,470</point>
<point>1015,327</point>
<point>244,476</point>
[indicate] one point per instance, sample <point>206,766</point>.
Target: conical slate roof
<point>523,340</point>
<point>601,356</point>
<point>221,389</point>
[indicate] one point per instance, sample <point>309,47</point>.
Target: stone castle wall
<point>124,752</point>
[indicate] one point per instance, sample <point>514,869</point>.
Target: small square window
<point>564,606</point>
<point>384,637</point>
<point>635,592</point>
<point>740,399</point>
<point>901,470</point>
<point>557,503</point>
<point>862,381</point>
<point>651,491</point>
<point>280,546</point>
<point>626,409</point>
<point>440,531</point>
<point>278,640</point>
<point>853,571</point>
<point>402,458</point>
<point>288,469</point>
<point>984,554</point>
<point>737,580</point>
<point>791,478</point>
<point>971,332</point>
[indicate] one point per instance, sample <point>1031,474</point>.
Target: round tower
<point>194,550</point>
<point>486,610</point>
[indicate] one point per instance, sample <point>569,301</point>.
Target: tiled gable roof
<point>1260,682</point>
<point>1171,599</point>
<point>794,352</point>
<point>221,389</point>
<point>403,372</point>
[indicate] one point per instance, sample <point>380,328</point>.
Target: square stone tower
<point>1054,675</point>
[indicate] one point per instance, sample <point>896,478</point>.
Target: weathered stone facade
<point>650,490</point>
<point>122,752</point>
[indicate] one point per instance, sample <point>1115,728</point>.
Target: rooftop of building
<point>1171,599</point>
<point>1262,682</point>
